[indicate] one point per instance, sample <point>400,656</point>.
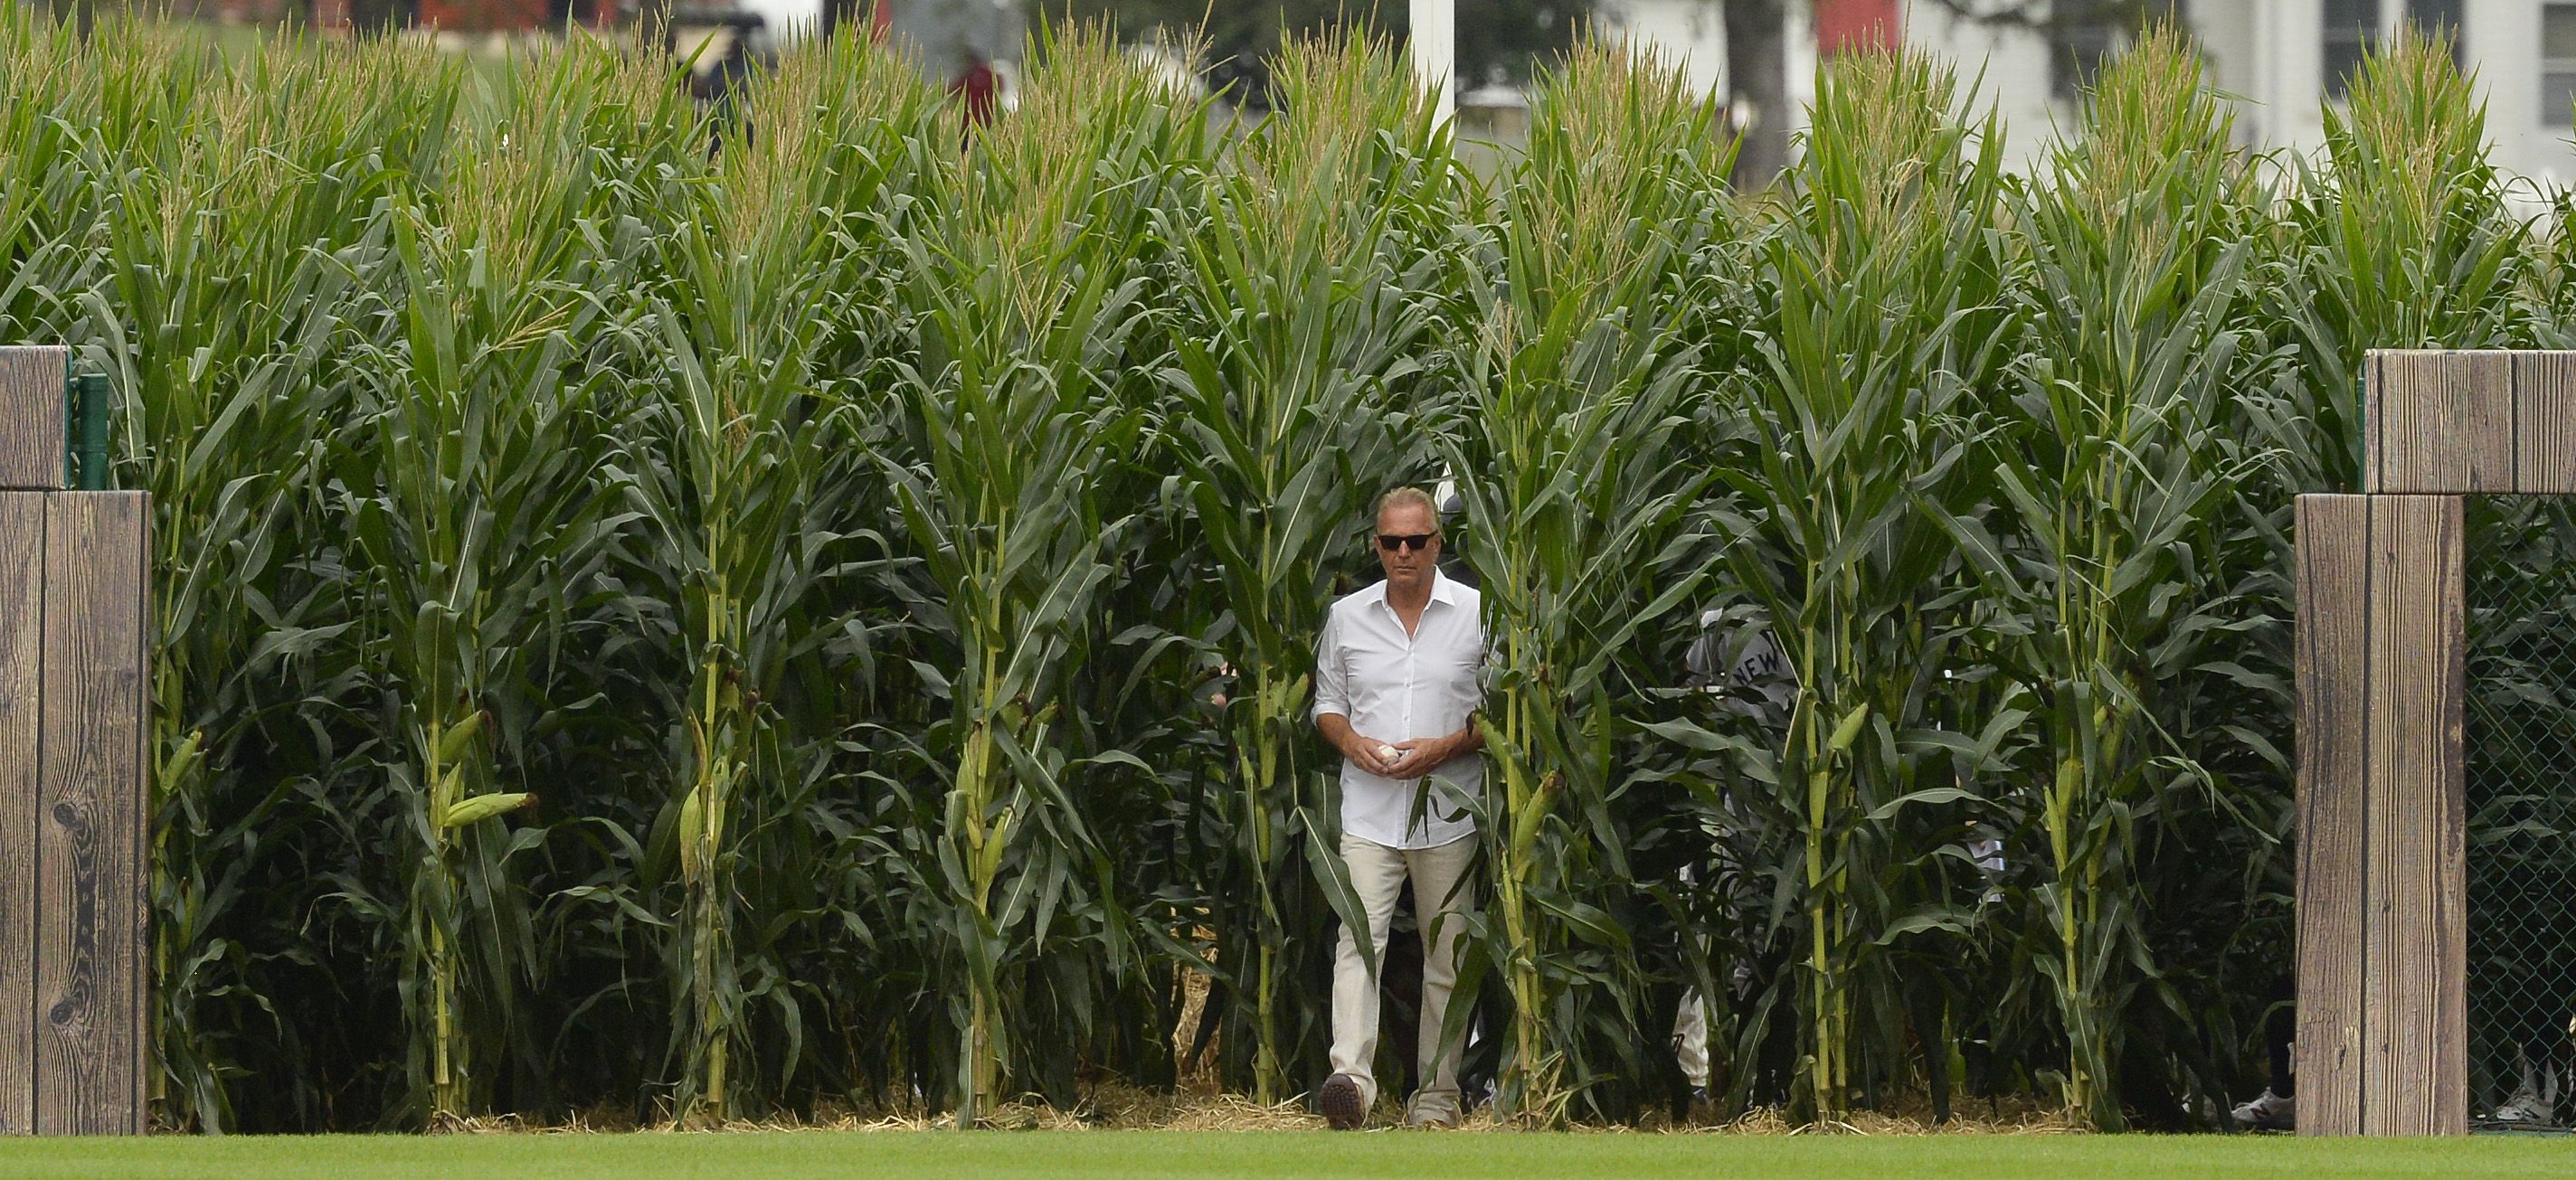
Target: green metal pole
<point>93,467</point>
<point>71,428</point>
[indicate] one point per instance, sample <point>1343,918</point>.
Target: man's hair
<point>1409,496</point>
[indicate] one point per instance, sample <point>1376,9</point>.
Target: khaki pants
<point>1690,1038</point>
<point>1441,899</point>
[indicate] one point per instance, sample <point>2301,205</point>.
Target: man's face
<point>1408,568</point>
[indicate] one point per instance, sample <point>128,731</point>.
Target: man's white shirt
<point>1395,687</point>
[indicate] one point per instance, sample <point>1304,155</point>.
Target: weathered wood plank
<point>2443,422</point>
<point>31,416</point>
<point>138,590</point>
<point>91,852</point>
<point>2485,381</point>
<point>2414,1076</point>
<point>22,565</point>
<point>2383,1043</point>
<point>2333,700</point>
<point>2372,419</point>
<point>2447,833</point>
<point>2544,395</point>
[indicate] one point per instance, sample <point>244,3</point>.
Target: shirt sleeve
<point>1332,693</point>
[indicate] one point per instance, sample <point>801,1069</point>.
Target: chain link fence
<point>2521,784</point>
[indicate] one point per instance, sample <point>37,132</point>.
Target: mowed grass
<point>1394,1155</point>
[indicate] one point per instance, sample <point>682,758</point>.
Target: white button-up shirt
<point>1394,687</point>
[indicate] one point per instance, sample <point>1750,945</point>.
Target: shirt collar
<point>1442,589</point>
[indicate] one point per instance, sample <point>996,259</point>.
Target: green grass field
<point>1135,1155</point>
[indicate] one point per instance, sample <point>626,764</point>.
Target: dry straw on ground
<point>1125,1108</point>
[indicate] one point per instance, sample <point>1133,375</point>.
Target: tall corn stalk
<point>239,230</point>
<point>1024,402</point>
<point>2115,473</point>
<point>2402,240</point>
<point>473,510</point>
<point>1310,282</point>
<point>748,483</point>
<point>1887,288</point>
<point>1583,528</point>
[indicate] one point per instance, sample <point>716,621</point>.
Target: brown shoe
<point>1340,1102</point>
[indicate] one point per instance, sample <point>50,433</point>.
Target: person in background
<point>1397,685</point>
<point>977,89</point>
<point>2277,1108</point>
<point>1742,666</point>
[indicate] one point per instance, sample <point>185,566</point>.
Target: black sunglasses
<point>1393,541</point>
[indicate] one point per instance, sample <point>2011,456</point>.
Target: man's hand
<point>1363,751</point>
<point>1411,758</point>
<point>1420,756</point>
<point>1376,757</point>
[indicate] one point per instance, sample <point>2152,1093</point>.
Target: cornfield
<point>724,613</point>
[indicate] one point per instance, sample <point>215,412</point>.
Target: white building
<point>2282,59</point>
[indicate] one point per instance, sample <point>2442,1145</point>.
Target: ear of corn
<point>841,516</point>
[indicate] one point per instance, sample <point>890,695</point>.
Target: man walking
<point>1396,691</point>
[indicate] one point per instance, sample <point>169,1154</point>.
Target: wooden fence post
<point>2544,400</point>
<point>2382,872</point>
<point>22,578</point>
<point>2415,1077</point>
<point>2440,422</point>
<point>2332,799</point>
<point>75,1046</point>
<point>34,434</point>
<point>91,850</point>
<point>2382,659</point>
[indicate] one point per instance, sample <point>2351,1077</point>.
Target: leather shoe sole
<point>1340,1103</point>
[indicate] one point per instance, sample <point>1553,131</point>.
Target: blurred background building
<point>2281,59</point>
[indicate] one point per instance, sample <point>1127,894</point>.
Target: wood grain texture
<point>2371,417</point>
<point>31,416</point>
<point>2449,933</point>
<point>2441,422</point>
<point>2333,672</point>
<point>90,953</point>
<point>2544,398</point>
<point>139,592</point>
<point>2487,426</point>
<point>22,565</point>
<point>2414,1075</point>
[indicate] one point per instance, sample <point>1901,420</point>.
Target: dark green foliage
<point>890,553</point>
